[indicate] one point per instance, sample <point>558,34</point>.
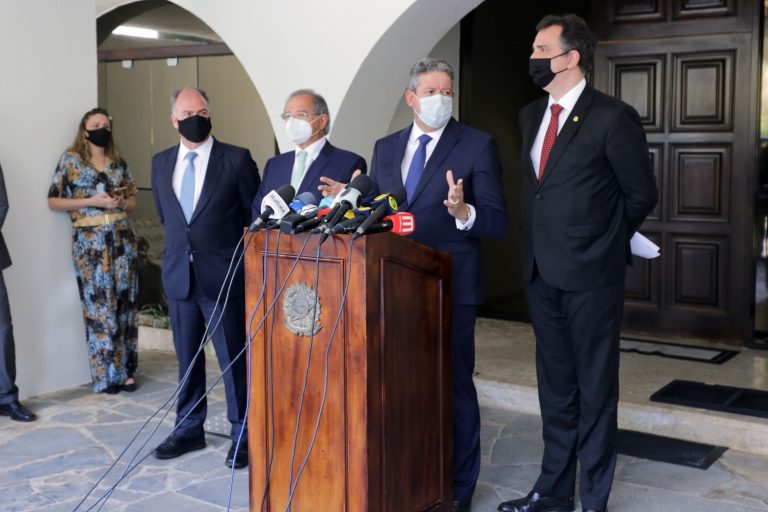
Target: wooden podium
<point>384,437</point>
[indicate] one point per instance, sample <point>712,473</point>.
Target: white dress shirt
<point>410,150</point>
<point>201,166</point>
<point>313,150</point>
<point>567,101</point>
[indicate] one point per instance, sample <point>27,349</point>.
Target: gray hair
<point>319,105</point>
<point>175,96</point>
<point>426,65</point>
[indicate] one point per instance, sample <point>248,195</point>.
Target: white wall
<point>48,69</point>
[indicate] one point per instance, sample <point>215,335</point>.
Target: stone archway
<point>357,54</point>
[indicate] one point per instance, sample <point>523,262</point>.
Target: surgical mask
<point>195,128</point>
<point>541,70</point>
<point>436,110</point>
<point>298,130</point>
<point>100,137</point>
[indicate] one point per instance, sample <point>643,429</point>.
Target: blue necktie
<point>416,169</point>
<point>187,195</point>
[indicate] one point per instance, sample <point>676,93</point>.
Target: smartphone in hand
<point>119,192</point>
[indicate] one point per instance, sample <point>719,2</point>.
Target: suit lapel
<point>444,146</point>
<point>166,183</point>
<point>212,175</point>
<point>531,130</point>
<point>398,151</point>
<point>569,129</point>
<point>315,169</point>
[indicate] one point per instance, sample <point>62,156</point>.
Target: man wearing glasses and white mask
<point>314,160</point>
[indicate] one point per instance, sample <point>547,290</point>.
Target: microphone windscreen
<point>287,192</point>
<point>306,198</point>
<point>362,183</point>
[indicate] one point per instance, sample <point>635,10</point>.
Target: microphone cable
<point>325,383</point>
<point>270,365</point>
<point>250,368</point>
<point>229,276</point>
<point>306,369</point>
<point>129,469</point>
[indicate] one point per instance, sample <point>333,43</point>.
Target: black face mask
<point>195,128</point>
<point>100,137</point>
<point>541,70</point>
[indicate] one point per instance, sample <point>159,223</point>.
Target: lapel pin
<point>575,119</point>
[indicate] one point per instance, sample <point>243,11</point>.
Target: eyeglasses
<point>301,115</point>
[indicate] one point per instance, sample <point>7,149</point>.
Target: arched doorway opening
<point>146,50</point>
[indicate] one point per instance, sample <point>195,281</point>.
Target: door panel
<point>696,98</point>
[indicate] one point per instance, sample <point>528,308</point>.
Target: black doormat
<point>750,402</point>
<point>676,350</point>
<point>667,449</point>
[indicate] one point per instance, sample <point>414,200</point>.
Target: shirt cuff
<point>466,226</point>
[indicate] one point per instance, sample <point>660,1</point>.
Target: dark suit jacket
<point>217,223</point>
<point>5,258</point>
<point>597,188</point>
<point>472,156</point>
<point>332,162</point>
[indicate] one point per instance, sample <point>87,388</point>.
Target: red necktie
<point>549,138</point>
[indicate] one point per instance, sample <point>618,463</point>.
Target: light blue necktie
<point>298,170</point>
<point>187,194</point>
<point>416,168</point>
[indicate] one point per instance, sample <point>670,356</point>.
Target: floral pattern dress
<point>105,259</point>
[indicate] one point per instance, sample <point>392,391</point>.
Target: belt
<point>99,220</point>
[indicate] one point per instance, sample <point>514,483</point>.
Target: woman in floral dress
<point>93,184</point>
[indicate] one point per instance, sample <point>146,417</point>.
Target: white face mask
<point>298,130</point>
<point>436,110</point>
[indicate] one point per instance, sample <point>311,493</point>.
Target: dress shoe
<point>128,388</point>
<point>242,456</point>
<point>174,446</point>
<point>535,502</point>
<point>112,389</point>
<point>17,412</point>
<point>460,507</point>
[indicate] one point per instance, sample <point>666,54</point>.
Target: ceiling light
<point>125,30</point>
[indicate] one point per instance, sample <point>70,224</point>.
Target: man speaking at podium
<point>307,123</point>
<point>452,177</point>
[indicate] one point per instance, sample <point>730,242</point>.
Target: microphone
<point>302,207</point>
<point>274,204</point>
<point>348,199</point>
<point>347,225</point>
<point>309,221</point>
<point>302,200</point>
<point>401,223</point>
<point>382,205</point>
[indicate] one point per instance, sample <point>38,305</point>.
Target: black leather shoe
<point>128,388</point>
<point>174,446</point>
<point>534,502</point>
<point>17,412</point>
<point>460,507</point>
<point>111,389</point>
<point>242,456</point>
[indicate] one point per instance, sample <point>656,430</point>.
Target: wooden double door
<point>691,69</point>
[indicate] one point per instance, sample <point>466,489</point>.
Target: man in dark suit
<point>452,177</point>
<point>307,122</point>
<point>9,393</point>
<point>203,190</point>
<point>587,186</point>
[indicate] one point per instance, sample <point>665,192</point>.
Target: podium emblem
<point>298,305</point>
